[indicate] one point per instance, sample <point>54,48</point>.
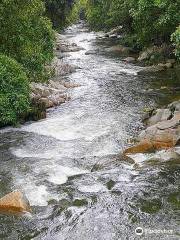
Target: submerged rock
<point>14,203</point>
<point>91,52</point>
<point>130,59</point>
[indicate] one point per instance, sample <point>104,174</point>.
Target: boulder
<point>172,61</point>
<point>168,65</point>
<point>175,106</point>
<point>47,102</point>
<point>113,36</point>
<point>70,85</point>
<point>163,135</point>
<point>119,49</point>
<point>142,147</point>
<point>130,59</point>
<point>40,89</point>
<point>91,52</point>
<point>144,56</point>
<point>57,85</point>
<point>60,68</point>
<point>159,115</point>
<point>117,30</point>
<point>57,99</point>
<point>151,69</point>
<point>14,203</point>
<point>147,53</point>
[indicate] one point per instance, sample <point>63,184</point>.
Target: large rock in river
<point>119,49</point>
<point>14,203</point>
<point>163,135</point>
<point>158,116</point>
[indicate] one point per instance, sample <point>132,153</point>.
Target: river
<point>69,165</point>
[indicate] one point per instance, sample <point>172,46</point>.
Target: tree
<point>26,35</point>
<point>58,11</point>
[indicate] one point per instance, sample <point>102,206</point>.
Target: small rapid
<point>69,165</point>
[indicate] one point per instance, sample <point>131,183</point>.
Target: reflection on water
<point>69,165</point>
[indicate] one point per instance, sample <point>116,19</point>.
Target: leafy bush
<point>58,11</point>
<point>26,35</point>
<point>14,91</point>
<point>119,14</point>
<point>176,39</point>
<point>154,21</point>
<point>150,21</point>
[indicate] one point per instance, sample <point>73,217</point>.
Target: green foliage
<point>175,37</point>
<point>149,21</point>
<point>97,13</point>
<point>119,14</point>
<point>76,10</point>
<point>155,20</point>
<point>58,11</point>
<point>14,94</point>
<point>26,35</point>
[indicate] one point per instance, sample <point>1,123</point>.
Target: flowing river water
<point>69,165</point>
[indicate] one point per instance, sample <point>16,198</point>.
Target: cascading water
<point>69,167</point>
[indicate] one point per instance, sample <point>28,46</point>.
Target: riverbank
<point>153,58</point>
<point>54,92</point>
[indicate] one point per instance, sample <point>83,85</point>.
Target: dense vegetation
<point>27,37</point>
<point>14,95</point>
<point>58,11</point>
<point>144,22</point>
<point>26,47</point>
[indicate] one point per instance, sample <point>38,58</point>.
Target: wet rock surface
<point>14,203</point>
<point>162,132</point>
<point>54,92</point>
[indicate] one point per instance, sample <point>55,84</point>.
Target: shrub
<point>26,35</point>
<point>58,11</point>
<point>154,21</point>
<point>14,91</point>
<point>176,39</point>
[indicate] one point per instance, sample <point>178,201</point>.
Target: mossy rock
<point>80,202</point>
<point>152,206</point>
<point>174,199</point>
<point>110,184</point>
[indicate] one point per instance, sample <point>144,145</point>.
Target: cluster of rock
<point>51,94</point>
<point>120,49</point>
<point>114,33</point>
<point>54,92</point>
<point>162,132</point>
<point>155,58</point>
<point>63,46</point>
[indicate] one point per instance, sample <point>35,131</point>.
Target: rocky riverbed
<point>54,92</point>
<point>71,165</point>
